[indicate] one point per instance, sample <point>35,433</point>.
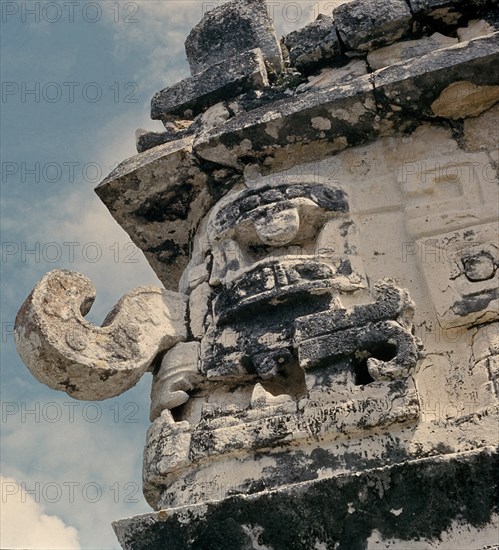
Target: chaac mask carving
<point>291,343</point>
<point>276,340</point>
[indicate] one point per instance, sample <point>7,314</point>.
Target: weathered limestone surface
<point>317,41</point>
<point>400,51</point>
<point>158,197</point>
<point>392,500</point>
<point>230,77</point>
<point>232,29</point>
<point>430,85</point>
<point>68,353</point>
<point>329,76</point>
<point>333,238</point>
<point>174,130</point>
<point>306,127</point>
<point>364,25</point>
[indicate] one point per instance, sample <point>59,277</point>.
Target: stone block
<point>313,44</point>
<point>365,25</point>
<point>230,30</point>
<point>446,12</point>
<point>384,500</point>
<point>145,140</point>
<point>453,82</point>
<point>158,197</point>
<point>228,78</point>
<point>333,119</point>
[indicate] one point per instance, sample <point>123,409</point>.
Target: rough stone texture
<point>308,126</point>
<point>400,51</point>
<point>337,253</point>
<point>175,130</point>
<point>158,197</point>
<point>393,501</point>
<point>227,78</point>
<point>147,140</point>
<point>464,99</point>
<point>467,291</point>
<point>447,14</point>
<point>474,29</point>
<point>232,29</point>
<point>338,117</point>
<point>424,85</point>
<point>66,352</point>
<point>365,25</point>
<point>313,44</point>
<point>329,77</point>
<point>382,328</point>
<point>480,132</point>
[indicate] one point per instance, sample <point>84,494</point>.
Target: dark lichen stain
<point>343,512</point>
<point>169,205</point>
<point>168,251</point>
<point>478,302</point>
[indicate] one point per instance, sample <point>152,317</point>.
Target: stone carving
<point>465,264</point>
<point>281,360</point>
<point>286,354</point>
<point>68,353</point>
<point>382,327</point>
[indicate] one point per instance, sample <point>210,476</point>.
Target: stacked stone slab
<point>325,359</point>
<point>234,53</point>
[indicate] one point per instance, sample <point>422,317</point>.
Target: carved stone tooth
<point>179,373</point>
<point>281,274</point>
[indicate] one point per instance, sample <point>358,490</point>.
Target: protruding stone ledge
<point>228,78</point>
<point>158,197</point>
<point>310,126</point>
<point>423,86</point>
<point>392,500</point>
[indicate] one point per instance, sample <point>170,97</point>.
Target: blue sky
<point>77,78</point>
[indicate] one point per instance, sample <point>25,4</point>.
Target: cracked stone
<point>389,55</point>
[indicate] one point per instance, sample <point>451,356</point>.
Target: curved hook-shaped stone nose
<point>66,352</point>
<point>277,227</point>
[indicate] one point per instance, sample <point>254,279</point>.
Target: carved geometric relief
<point>448,192</point>
<point>461,270</point>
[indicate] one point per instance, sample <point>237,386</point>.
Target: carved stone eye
<point>479,267</point>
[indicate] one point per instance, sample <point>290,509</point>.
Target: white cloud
<point>80,461</point>
<point>25,525</point>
